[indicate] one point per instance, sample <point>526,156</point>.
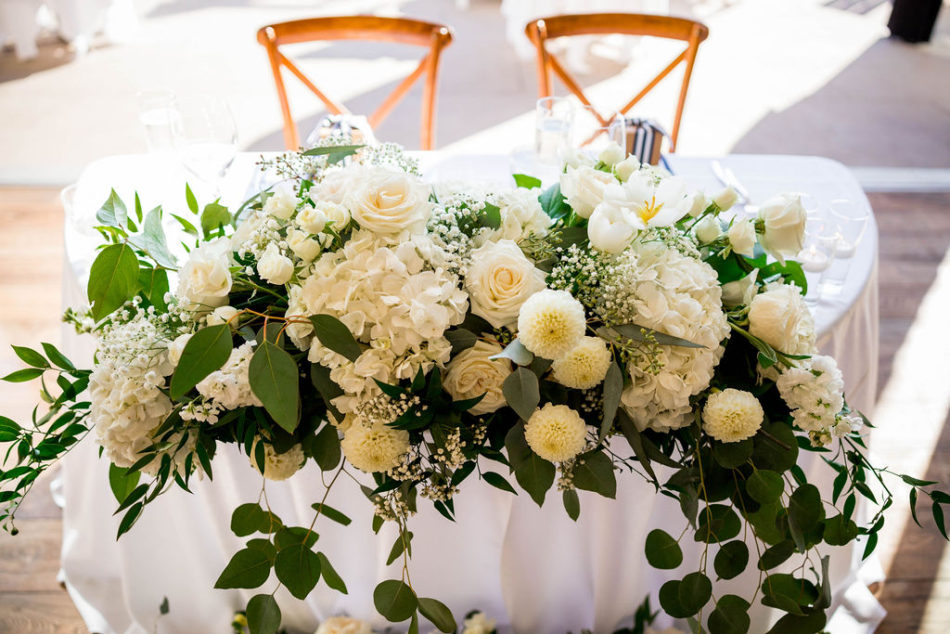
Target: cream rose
<point>708,230</point>
<point>473,372</point>
<point>176,347</point>
<point>282,201</point>
<point>500,280</point>
<point>275,267</point>
<point>312,220</point>
<point>204,280</point>
<point>739,292</point>
<point>726,198</point>
<point>387,201</point>
<point>344,625</point>
<point>332,187</point>
<point>780,318</point>
<point>742,237</point>
<point>303,246</point>
<point>583,187</point>
<point>783,225</point>
<point>625,168</point>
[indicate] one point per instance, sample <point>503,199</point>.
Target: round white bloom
<point>551,323</point>
<point>732,415</point>
<point>783,218</point>
<point>337,215</point>
<point>282,201</point>
<point>726,198</point>
<point>332,186</point>
<point>742,237</point>
<point>229,387</point>
<point>740,292</point>
<point>313,220</point>
<point>583,187</point>
<point>251,221</point>
<point>612,154</point>
<point>575,157</point>
<point>375,448</point>
<point>204,280</point>
<point>222,315</point>
<point>521,215</point>
<point>472,373</point>
<point>780,318</point>
<point>387,201</point>
<point>708,230</point>
<point>478,623</point>
<point>344,625</point>
<point>279,466</point>
<point>814,391</point>
<point>700,203</point>
<point>625,168</point>
<point>176,347</point>
<point>274,267</point>
<point>610,228</point>
<point>500,280</point>
<point>303,246</point>
<point>585,366</point>
<point>556,432</point>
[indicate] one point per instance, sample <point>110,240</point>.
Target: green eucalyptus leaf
<point>522,392</point>
<point>330,576</point>
<point>331,513</point>
<point>206,351</point>
<point>274,378</point>
<point>498,481</point>
<point>840,531</point>
<point>613,388</point>
<point>334,334</point>
<point>325,448</point>
<point>594,471</point>
<point>248,568</point>
<point>765,486</point>
<point>662,550</point>
<point>572,503</point>
<point>438,613</point>
<point>670,600</point>
<point>776,555</point>
<point>298,568</point>
<point>694,592</point>
<point>731,616</point>
<point>263,614</point>
<point>730,455</point>
<point>395,600</point>
<point>731,560</point>
<point>642,334</point>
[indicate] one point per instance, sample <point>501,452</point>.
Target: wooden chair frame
<point>361,27</point>
<point>543,29</point>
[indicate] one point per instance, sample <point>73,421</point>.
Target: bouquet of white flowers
<point>355,316</point>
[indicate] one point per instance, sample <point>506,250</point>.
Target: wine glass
<point>852,222</point>
<point>205,138</point>
<point>349,127</point>
<point>554,122</point>
<point>157,111</point>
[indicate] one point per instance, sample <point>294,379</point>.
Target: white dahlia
<point>556,432</point>
<point>374,448</point>
<point>584,366</point>
<point>732,415</point>
<point>279,466</point>
<point>551,323</point>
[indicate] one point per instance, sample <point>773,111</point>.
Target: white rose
<point>574,157</point>
<point>742,237</point>
<point>473,373</point>
<point>222,315</point>
<point>739,292</point>
<point>313,219</point>
<point>780,318</point>
<point>610,228</point>
<point>700,203</point>
<point>386,200</point>
<point>247,226</point>
<point>500,280</point>
<point>726,198</point>
<point>625,168</point>
<point>344,625</point>
<point>612,154</point>
<point>708,230</point>
<point>337,215</point>
<point>282,201</point>
<point>176,347</point>
<point>583,187</point>
<point>332,187</point>
<point>303,246</point>
<point>204,280</point>
<point>275,267</point>
<point>783,221</point>
<point>521,215</point>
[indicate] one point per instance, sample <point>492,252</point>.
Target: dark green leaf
<point>765,486</point>
<point>805,509</point>
<point>320,377</point>
<point>274,378</point>
<point>613,387</point>
<point>732,454</point>
<point>522,392</point>
<point>326,448</point>
<point>30,357</point>
<point>206,351</point>
<point>642,334</point>
<point>438,614</point>
<point>694,592</point>
<point>572,503</point>
<point>731,559</point>
<point>330,575</point>
<point>248,568</point>
<point>670,600</point>
<point>776,555</point>
<point>810,623</point>
<point>298,568</point>
<point>553,202</point>
<point>594,471</point>
<point>839,531</point>
<point>395,600</point>
<point>263,614</point>
<point>632,434</point>
<point>334,334</point>
<point>717,523</point>
<point>498,481</point>
<point>332,514</point>
<point>403,541</point>
<point>113,279</point>
<point>662,550</point>
<point>251,518</point>
<point>938,519</point>
<point>22,376</point>
<point>57,357</point>
<point>730,616</point>
<point>129,519</point>
<point>461,339</point>
<point>287,537</point>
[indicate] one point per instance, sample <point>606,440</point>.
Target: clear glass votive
<point>852,221</point>
<point>554,125</point>
<point>817,254</point>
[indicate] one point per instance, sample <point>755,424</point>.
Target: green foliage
<point>594,471</point>
<point>731,560</point>
<point>525,181</point>
<point>334,334</point>
<point>122,482</point>
<point>438,614</point>
<point>113,279</point>
<point>395,600</point>
<point>206,351</point>
<point>662,550</point>
<point>263,614</point>
<point>248,568</point>
<point>274,379</point>
<point>522,392</point>
<point>534,474</point>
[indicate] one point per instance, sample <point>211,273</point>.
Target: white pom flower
<point>344,625</point>
<point>585,366</point>
<point>551,323</point>
<point>556,433</point>
<point>375,448</point>
<point>279,466</point>
<point>732,415</point>
<point>274,267</point>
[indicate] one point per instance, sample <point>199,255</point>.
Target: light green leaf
<point>113,212</point>
<point>57,357</point>
<point>152,239</point>
<point>122,482</point>
<point>274,379</point>
<point>525,181</point>
<point>213,217</point>
<point>113,279</point>
<point>191,200</point>
<point>438,614</point>
<point>206,351</point>
<point>515,351</point>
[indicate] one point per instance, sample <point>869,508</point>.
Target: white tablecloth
<point>531,568</point>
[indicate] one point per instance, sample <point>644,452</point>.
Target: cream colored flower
<point>556,432</point>
<point>726,198</point>
<point>500,280</point>
<point>732,415</point>
<point>387,201</point>
<point>742,237</point>
<point>625,168</point>
<point>279,466</point>
<point>585,366</point>
<point>551,323</point>
<point>222,315</point>
<point>611,228</point>
<point>780,318</point>
<point>375,448</point>
<point>783,221</point>
<point>472,373</point>
<point>700,203</point>
<point>282,201</point>
<point>303,246</point>
<point>344,625</point>
<point>332,187</point>
<point>478,623</point>
<point>312,220</point>
<point>612,154</point>
<point>708,230</point>
<point>583,187</point>
<point>740,292</point>
<point>274,267</point>
<point>204,280</point>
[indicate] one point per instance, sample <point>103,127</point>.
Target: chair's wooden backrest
<point>358,27</point>
<point>543,29</point>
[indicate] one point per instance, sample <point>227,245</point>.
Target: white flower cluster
<point>813,390</point>
<point>225,389</point>
<point>521,215</point>
<point>660,288</point>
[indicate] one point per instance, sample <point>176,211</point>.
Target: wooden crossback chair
<point>543,29</point>
<point>358,27</point>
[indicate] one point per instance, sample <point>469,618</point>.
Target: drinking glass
<point>157,111</point>
<point>593,136</point>
<point>554,122</point>
<point>852,222</point>
<point>348,127</point>
<point>818,253</point>
<point>205,137</point>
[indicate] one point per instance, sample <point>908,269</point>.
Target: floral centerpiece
<point>356,316</point>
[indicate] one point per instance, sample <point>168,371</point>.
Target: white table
<point>531,568</point>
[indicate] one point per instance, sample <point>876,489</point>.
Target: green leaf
<point>768,454</point>
<point>516,352</point>
<point>9,430</point>
<point>251,518</point>
<point>22,376</point>
<point>113,279</point>
<point>334,153</point>
<point>491,216</point>
<point>670,600</point>
<point>810,623</point>
<point>395,600</point>
<point>265,546</point>
<point>632,434</point>
<point>553,202</point>
<point>213,217</point>
<point>113,212</point>
<point>594,471</point>
<point>403,540</point>
<point>840,531</point>
<point>917,482</point>
<point>525,181</point>
<point>320,377</point>
<point>30,357</point>
<point>57,357</point>
<point>788,593</point>
<point>286,537</point>
<point>765,486</point>
<point>643,334</point>
<point>572,503</point>
<point>717,523</point>
<point>152,239</point>
<point>732,454</point>
<point>731,616</point>
<point>438,614</point>
<point>326,448</point>
<point>334,334</point>
<point>331,513</point>
<point>330,576</point>
<point>522,392</point>
<point>191,200</point>
<point>938,519</point>
<point>498,481</point>
<point>613,387</point>
<point>298,568</point>
<point>805,509</point>
<point>185,225</point>
<point>206,351</point>
<point>275,379</point>
<point>694,592</point>
<point>461,339</point>
<point>776,555</point>
<point>248,568</point>
<point>263,614</point>
<point>154,284</point>
<point>122,482</point>
<point>662,550</point>
<point>731,560</point>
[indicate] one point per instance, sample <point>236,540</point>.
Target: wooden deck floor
<point>915,235</point>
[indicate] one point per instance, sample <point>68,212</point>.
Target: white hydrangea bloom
<point>228,388</point>
<point>814,391</point>
<point>521,215</point>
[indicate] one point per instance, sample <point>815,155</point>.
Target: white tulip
<point>726,198</point>
<point>625,168</point>
<point>611,228</point>
<point>612,154</point>
<point>583,187</point>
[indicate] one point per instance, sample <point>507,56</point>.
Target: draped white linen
<point>531,568</point>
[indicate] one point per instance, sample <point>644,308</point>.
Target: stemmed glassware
<point>205,137</point>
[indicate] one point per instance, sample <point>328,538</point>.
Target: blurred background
<point>814,77</point>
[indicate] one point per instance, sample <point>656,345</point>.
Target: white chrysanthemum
<point>732,415</point>
<point>229,387</point>
<point>556,432</point>
<point>814,392</point>
<point>657,286</point>
<point>585,366</point>
<point>551,323</point>
<point>344,625</point>
<point>375,448</point>
<point>279,466</point>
